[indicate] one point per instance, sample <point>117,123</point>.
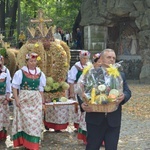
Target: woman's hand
<point>72,95</point>
<point>18,104</point>
<point>7,96</point>
<point>5,102</point>
<point>43,107</point>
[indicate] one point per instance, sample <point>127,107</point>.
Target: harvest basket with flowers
<point>98,91</point>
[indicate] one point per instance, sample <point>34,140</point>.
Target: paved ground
<point>135,133</point>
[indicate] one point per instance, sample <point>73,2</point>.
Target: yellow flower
<point>38,58</point>
<point>36,45</point>
<point>113,71</point>
<point>64,53</point>
<point>86,69</point>
<point>66,64</point>
<point>58,46</point>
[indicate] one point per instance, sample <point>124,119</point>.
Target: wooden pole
<point>19,20</point>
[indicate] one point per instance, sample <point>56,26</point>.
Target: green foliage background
<point>62,12</point>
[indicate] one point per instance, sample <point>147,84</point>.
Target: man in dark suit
<point>105,126</point>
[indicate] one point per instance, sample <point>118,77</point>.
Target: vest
<point>30,82</point>
<point>3,87</point>
<point>78,73</point>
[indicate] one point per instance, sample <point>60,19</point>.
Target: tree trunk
<point>77,25</point>
<point>7,8</point>
<point>13,20</point>
<point>2,16</point>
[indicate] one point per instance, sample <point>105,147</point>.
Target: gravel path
<point>135,133</point>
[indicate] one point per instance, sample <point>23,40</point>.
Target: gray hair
<point>107,50</point>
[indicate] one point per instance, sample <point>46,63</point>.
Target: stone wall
<point>99,15</point>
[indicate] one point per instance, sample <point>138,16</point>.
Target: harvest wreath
<point>54,58</point>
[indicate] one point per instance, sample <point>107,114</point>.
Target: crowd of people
<point>65,36</point>
<point>74,42</point>
<point>27,85</point>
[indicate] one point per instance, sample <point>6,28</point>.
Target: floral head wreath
<point>96,57</point>
<point>2,61</point>
<point>84,54</point>
<point>1,57</point>
<point>31,55</point>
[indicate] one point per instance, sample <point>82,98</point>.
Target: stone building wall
<point>132,20</point>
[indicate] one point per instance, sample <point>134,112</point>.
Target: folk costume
<point>27,123</point>
<point>73,76</point>
<point>82,131</point>
<point>5,89</point>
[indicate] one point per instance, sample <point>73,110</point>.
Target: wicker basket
<point>105,108</point>
<point>110,107</point>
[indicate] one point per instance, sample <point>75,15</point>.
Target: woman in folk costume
<point>73,76</point>
<point>5,90</point>
<point>82,124</point>
<point>28,86</point>
<point>82,131</point>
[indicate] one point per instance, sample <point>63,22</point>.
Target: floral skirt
<point>27,123</point>
<point>82,128</point>
<point>4,118</point>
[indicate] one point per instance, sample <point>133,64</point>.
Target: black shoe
<point>75,131</point>
<point>10,103</point>
<point>57,131</point>
<point>46,128</point>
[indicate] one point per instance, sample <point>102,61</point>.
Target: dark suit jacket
<point>114,118</point>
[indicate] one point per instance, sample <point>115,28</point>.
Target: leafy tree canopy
<point>62,12</point>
